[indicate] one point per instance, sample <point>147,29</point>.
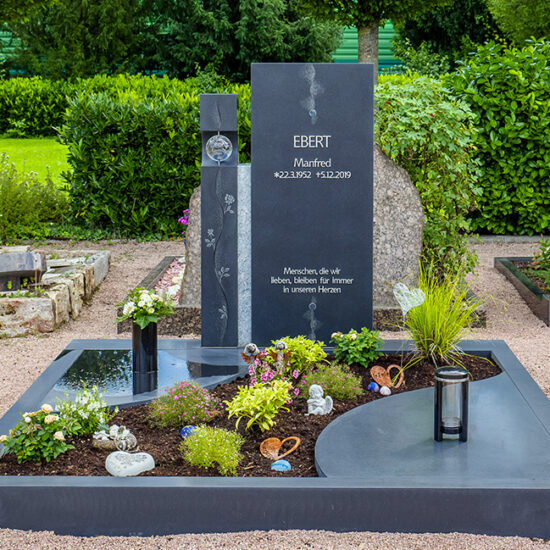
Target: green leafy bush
<point>303,353</point>
<point>355,347</point>
<point>26,204</point>
<point>336,380</point>
<point>429,133</point>
<point>38,436</point>
<point>259,403</point>
<point>208,447</point>
<point>86,413</point>
<point>439,324</point>
<point>135,154</point>
<point>509,92</point>
<point>185,403</point>
<point>421,60</point>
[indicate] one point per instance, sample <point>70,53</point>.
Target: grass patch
<point>40,155</point>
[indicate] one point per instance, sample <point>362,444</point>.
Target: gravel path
<point>23,359</point>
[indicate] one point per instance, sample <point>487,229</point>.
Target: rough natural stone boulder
<point>191,284</point>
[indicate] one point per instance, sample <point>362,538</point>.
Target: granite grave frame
<point>145,506</point>
<point>537,300</point>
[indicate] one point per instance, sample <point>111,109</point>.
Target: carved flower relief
<point>222,273</point>
<point>223,312</point>
<point>210,240</point>
<point>229,200</point>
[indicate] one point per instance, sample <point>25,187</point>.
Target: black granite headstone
<point>312,199</point>
<point>219,287</point>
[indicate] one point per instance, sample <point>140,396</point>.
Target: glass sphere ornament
<point>219,148</point>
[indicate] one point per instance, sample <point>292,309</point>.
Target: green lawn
<point>37,155</point>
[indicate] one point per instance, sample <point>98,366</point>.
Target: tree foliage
<point>17,10</point>
<point>228,35</point>
<point>80,38</point>
<point>367,16</point>
<point>450,29</point>
<point>522,19</point>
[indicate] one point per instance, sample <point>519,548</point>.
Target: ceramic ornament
<point>281,466</point>
<point>383,377</point>
<point>270,447</point>
<point>373,386</point>
<point>186,431</point>
<point>317,404</point>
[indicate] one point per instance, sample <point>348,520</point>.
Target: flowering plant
<point>184,220</point>
<point>184,403</point>
<point>357,347</point>
<point>87,413</point>
<point>144,307</point>
<point>38,435</point>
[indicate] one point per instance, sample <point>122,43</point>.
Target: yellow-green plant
<point>207,447</point>
<point>439,325</point>
<point>303,353</point>
<point>260,403</point>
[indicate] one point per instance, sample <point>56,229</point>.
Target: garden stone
<point>317,404</point>
<point>281,465</point>
<point>191,284</point>
<point>384,390</point>
<point>187,431</point>
<point>123,464</point>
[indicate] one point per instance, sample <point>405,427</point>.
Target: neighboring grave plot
<point>59,296</point>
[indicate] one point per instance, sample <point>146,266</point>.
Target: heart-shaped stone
<point>407,298</point>
<point>123,464</point>
<point>270,447</point>
<point>382,376</point>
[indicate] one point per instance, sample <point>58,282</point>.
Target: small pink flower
<point>295,373</point>
<point>296,391</point>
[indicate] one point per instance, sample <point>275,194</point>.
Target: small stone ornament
<point>271,446</point>
<point>281,466</point>
<point>373,386</point>
<point>186,431</point>
<point>384,390</point>
<point>249,353</point>
<point>317,404</point>
<point>119,437</point>
<point>123,464</point>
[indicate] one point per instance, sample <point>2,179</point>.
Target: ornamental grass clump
<point>439,324</point>
<point>357,347</point>
<point>208,447</point>
<point>336,380</point>
<point>260,403</point>
<point>38,436</point>
<point>185,403</point>
<point>87,413</point>
<point>145,307</point>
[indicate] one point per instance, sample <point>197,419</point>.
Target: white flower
<point>51,418</point>
<point>3,438</point>
<point>46,408</point>
<point>128,308</point>
<point>353,336</point>
<point>27,419</point>
<point>141,303</point>
<point>59,436</point>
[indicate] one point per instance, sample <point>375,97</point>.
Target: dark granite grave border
<point>155,506</point>
<point>537,300</point>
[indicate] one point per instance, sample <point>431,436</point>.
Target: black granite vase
<point>144,358</point>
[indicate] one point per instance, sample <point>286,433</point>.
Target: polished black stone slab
<point>312,199</point>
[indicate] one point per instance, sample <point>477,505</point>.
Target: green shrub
<point>86,413</point>
<point>207,447</point>
<point>355,347</point>
<point>421,60</point>
<point>259,403</point>
<point>27,205</point>
<point>38,436</point>
<point>439,324</point>
<point>541,263</point>
<point>430,134</point>
<point>135,154</point>
<point>336,380</point>
<point>509,92</point>
<point>185,403</point>
<point>303,353</point>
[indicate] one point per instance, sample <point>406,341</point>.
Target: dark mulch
<point>525,268</point>
<point>164,444</point>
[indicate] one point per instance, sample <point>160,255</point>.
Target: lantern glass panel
<point>451,413</point>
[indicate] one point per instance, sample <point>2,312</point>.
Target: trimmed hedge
<point>135,150</point>
<point>509,92</point>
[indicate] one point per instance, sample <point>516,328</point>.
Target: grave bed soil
<point>524,267</point>
<point>163,444</point>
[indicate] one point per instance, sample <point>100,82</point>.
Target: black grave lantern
<point>451,403</point>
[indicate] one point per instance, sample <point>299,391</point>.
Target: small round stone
<point>373,386</point>
<point>384,390</point>
<point>186,431</point>
<point>281,465</point>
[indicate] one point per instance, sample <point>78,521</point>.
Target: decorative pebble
<point>373,386</point>
<point>281,466</point>
<point>122,464</point>
<point>384,390</point>
<point>186,431</point>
